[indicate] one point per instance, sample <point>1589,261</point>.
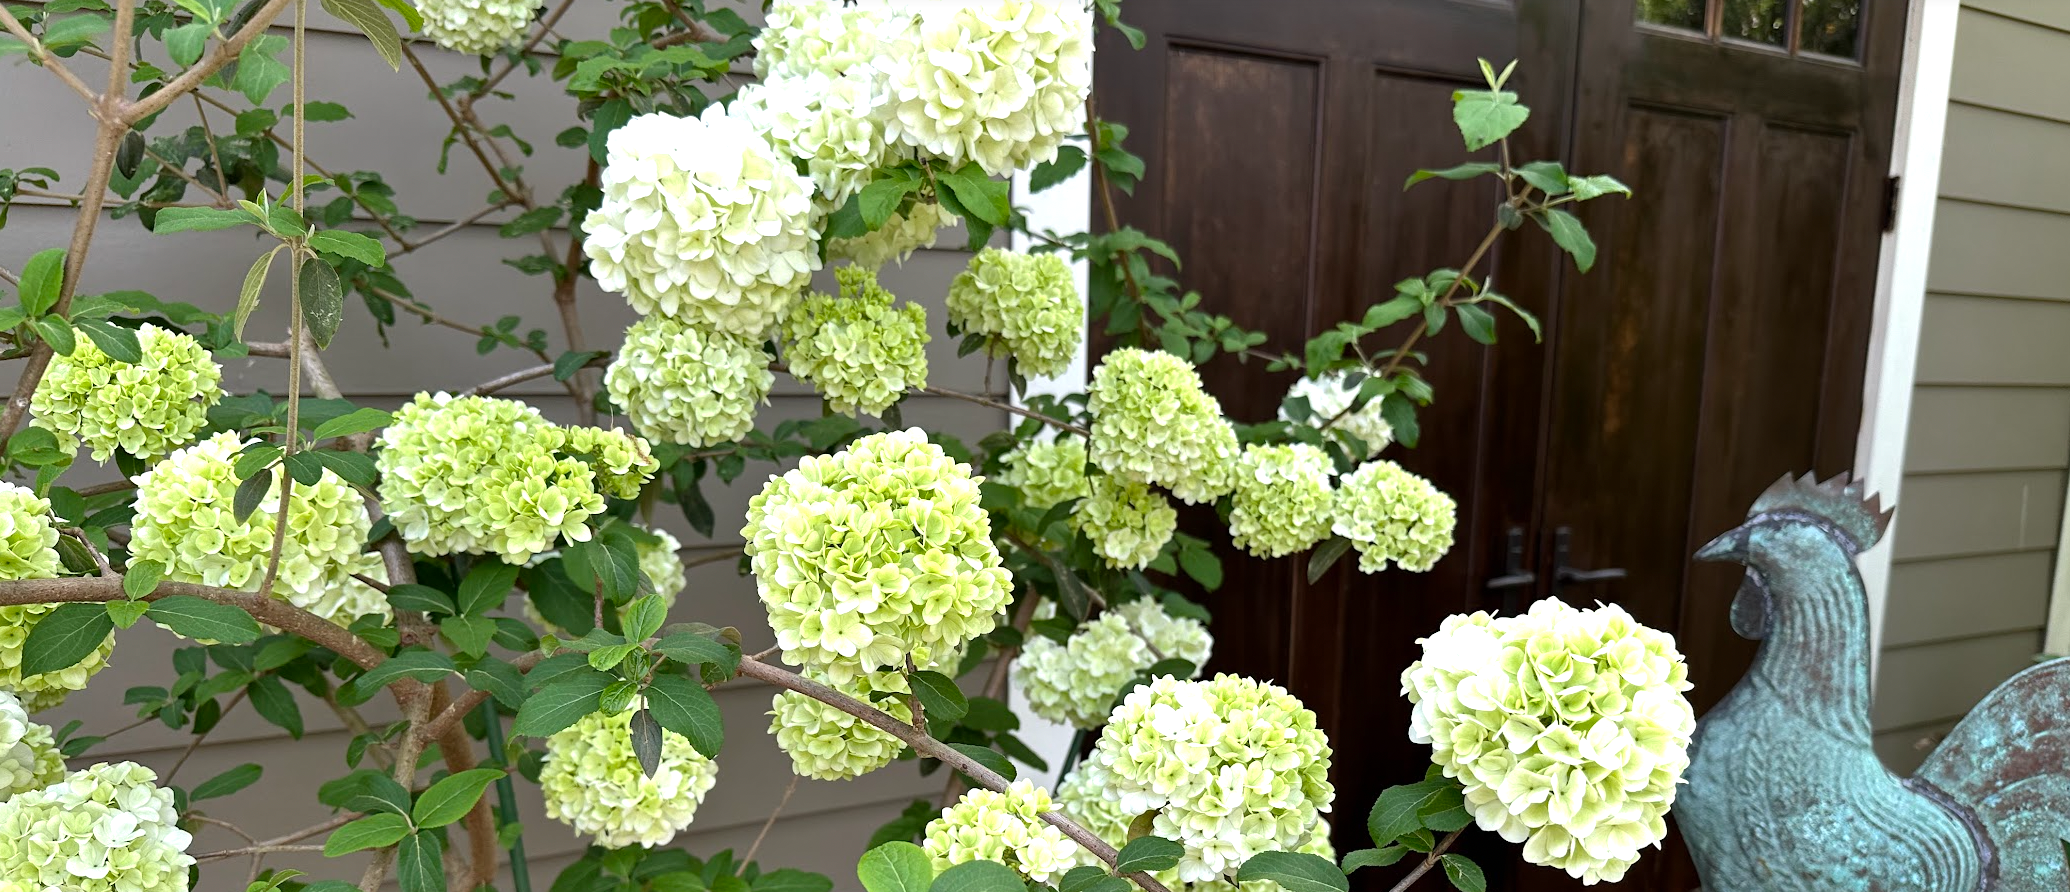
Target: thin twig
<point>200,736</point>
<point>42,57</point>
<point>209,65</point>
<point>266,609</point>
<point>545,27</point>
<point>216,157</point>
<point>425,313</point>
<point>450,228</point>
<point>8,276</point>
<point>756,846</point>
<point>1429,861</point>
<point>571,319</point>
<point>521,376</point>
<point>1058,423</point>
<point>454,713</point>
<point>995,684</point>
<point>206,857</point>
<point>296,342</point>
<point>99,560</point>
<point>415,708</point>
<point>730,554</point>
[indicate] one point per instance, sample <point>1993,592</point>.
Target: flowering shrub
<point>827,743</point>
<point>1390,514</point>
<point>1152,423</point>
<point>1282,502</point>
<point>1364,431</point>
<point>856,349</point>
<point>687,385</point>
<point>29,757</point>
<point>146,408</point>
<point>1075,682</point>
<point>477,27</point>
<point>108,828</point>
<point>1001,84</point>
<point>1003,826</point>
<point>1027,303</point>
<point>593,782</point>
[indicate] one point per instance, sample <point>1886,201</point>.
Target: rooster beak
<point>1724,548</point>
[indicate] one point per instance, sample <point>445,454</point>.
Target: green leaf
<point>357,421</point>
<point>1464,874</point>
<point>42,279</point>
<point>1570,235</point>
<point>254,282</point>
<point>1326,556</point>
<point>250,493</point>
<point>881,198</point>
<point>535,220</point>
<point>646,741</point>
<point>186,43</point>
<point>1202,565</point>
<point>142,577</point>
<point>72,31</point>
<point>203,619</point>
<point>600,561</point>
<point>65,636</point>
<point>895,867</point>
<point>988,757</point>
<point>1529,320</point>
<point>561,703</point>
<point>1465,171</point>
<point>486,586</point>
<point>258,72</point>
<point>374,23</point>
<point>422,665</point>
<point>419,863</point>
<point>1294,872</point>
<point>119,343</point>
<point>452,797</point>
<point>345,243</point>
<point>978,876</point>
<point>1476,322</point>
<point>1549,177</point>
<point>685,707</point>
<point>985,198</point>
<point>197,220</point>
<point>352,467</point>
<point>1399,810</point>
<point>275,704</point>
<point>1400,413</point>
<point>939,696</point>
<point>691,648</point>
<point>371,832</point>
<point>226,783</point>
<point>408,11</point>
<point>609,116</point>
<point>645,617</point>
<point>126,613</point>
<point>323,301</point>
<point>421,598</point>
<point>1148,854</point>
<point>470,634</point>
<point>572,361</point>
<point>847,220</point>
<point>1069,161</point>
<point>791,879</point>
<point>1598,186</point>
<point>319,112</point>
<point>1485,117</point>
<point>58,334</point>
<point>1373,858</point>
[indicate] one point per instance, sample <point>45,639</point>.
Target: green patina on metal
<point>1785,793</point>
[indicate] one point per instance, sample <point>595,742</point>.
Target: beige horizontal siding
<point>2005,158</point>
<point>1985,513</point>
<point>1928,682</point>
<point>2000,251</point>
<point>1940,600</point>
<point>1972,429</point>
<point>1994,341</point>
<point>2009,64</point>
<point>2047,13</point>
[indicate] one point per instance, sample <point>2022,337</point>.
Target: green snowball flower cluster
<point>1028,302</point>
<point>109,828</point>
<point>1232,767</point>
<point>147,408</point>
<point>592,781</point>
<point>1000,83</point>
<point>184,521</point>
<point>1083,797</point>
<point>1127,522</point>
<point>477,27</point>
<point>856,349</point>
<point>873,555</point>
<point>902,233</point>
<point>988,825</point>
<point>28,541</point>
<point>1074,683</point>
<point>1331,394</point>
<point>688,385</point>
<point>28,550</point>
<point>1048,473</point>
<point>825,743</point>
<point>1152,423</point>
<point>1282,500</point>
<point>704,221</point>
<point>29,757</point>
<point>481,475</point>
<point>1390,514</point>
<point>1568,727</point>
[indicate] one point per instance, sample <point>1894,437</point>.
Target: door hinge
<point>1890,203</point>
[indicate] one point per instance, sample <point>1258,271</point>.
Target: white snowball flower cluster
<point>826,743</point>
<point>1075,682</point>
<point>1568,727</point>
<point>824,120</point>
<point>686,384</point>
<point>482,475</point>
<point>1084,798</point>
<point>1331,394</point>
<point>1390,514</point>
<point>875,554</point>
<point>109,828</point>
<point>903,233</point>
<point>704,221</point>
<point>29,757</point>
<point>1231,766</point>
<point>1048,473</point>
<point>592,782</point>
<point>147,408</point>
<point>988,825</point>
<point>1128,523</point>
<point>1152,423</point>
<point>999,83</point>
<point>477,27</point>
<point>1028,302</point>
<point>802,38</point>
<point>28,550</point>
<point>857,350</point>
<point>185,521</point>
<point>1282,500</point>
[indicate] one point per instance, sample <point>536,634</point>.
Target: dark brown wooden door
<point>1719,343</point>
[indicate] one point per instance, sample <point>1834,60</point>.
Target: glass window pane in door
<point>1828,27</point>
<point>1760,21</point>
<point>1672,13</point>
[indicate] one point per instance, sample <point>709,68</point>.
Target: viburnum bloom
<point>1048,472</point>
<point>185,521</point>
<point>28,550</point>
<point>828,121</point>
<point>592,781</point>
<point>988,825</point>
<point>480,475</point>
<point>1231,767</point>
<point>826,743</point>
<point>477,27</point>
<point>29,757</point>
<point>108,828</point>
<point>1083,796</point>
<point>1152,423</point>
<point>1328,398</point>
<point>703,220</point>
<point>1390,514</point>
<point>857,350</point>
<point>1282,503</point>
<point>1075,682</point>
<point>688,384</point>
<point>801,38</point>
<point>875,554</point>
<point>1001,83</point>
<point>1569,729</point>
<point>1027,303</point>
<point>903,233</point>
<point>147,408</point>
<point>1128,522</point>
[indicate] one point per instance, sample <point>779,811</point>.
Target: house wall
<point>1989,434</point>
<point>396,130</point>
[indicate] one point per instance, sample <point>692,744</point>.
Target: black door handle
<point>1513,573</point>
<point>1563,574</point>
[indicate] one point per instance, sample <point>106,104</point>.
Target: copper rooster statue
<point>1785,793</point>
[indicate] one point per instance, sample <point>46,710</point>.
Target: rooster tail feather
<point>2008,764</point>
<point>1841,501</point>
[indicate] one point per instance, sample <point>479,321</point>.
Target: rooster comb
<point>1841,501</point>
